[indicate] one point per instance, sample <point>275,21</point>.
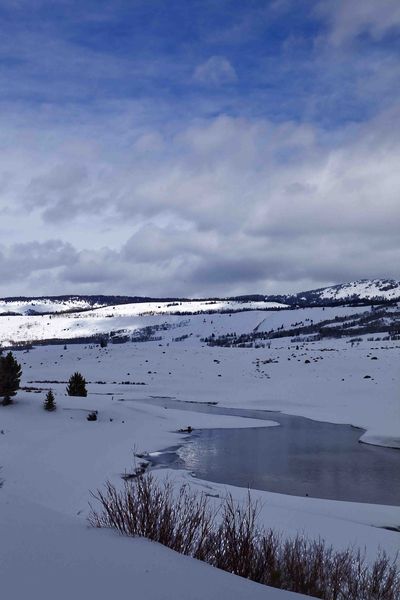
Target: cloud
<point>348,20</point>
<point>220,205</point>
<point>124,167</point>
<point>217,70</point>
<point>19,261</point>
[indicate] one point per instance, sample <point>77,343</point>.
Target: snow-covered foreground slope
<point>47,555</point>
<point>50,461</point>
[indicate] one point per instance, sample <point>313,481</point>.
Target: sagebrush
<point>230,538</point>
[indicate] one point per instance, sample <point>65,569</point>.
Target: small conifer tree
<point>49,403</point>
<point>76,385</point>
<point>10,376</point>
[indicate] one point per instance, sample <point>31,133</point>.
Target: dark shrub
<point>10,376</point>
<point>76,385</point>
<point>49,403</point>
<point>230,539</point>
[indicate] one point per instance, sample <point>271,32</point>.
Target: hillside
<point>320,362</point>
<point>354,292</point>
<point>34,305</point>
<point>347,310</point>
<point>365,291</point>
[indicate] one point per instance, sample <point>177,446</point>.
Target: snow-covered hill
<point>67,304</point>
<point>59,304</point>
<point>139,320</point>
<point>228,326</point>
<point>43,305</point>
<point>355,292</point>
<point>363,290</point>
<point>338,311</point>
<point>50,461</point>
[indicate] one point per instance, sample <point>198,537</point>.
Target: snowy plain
<point>50,461</point>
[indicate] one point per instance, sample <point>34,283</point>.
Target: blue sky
<point>197,147</point>
<point>278,60</point>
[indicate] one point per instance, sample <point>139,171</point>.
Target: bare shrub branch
<point>231,539</point>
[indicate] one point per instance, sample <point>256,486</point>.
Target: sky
<point>198,147</point>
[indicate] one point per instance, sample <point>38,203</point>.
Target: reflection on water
<point>301,457</point>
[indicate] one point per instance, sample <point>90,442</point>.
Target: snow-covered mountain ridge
<point>33,305</point>
<point>132,306</point>
<point>354,292</point>
<point>363,290</point>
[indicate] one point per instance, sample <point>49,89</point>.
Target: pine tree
<point>76,385</point>
<point>103,342</point>
<point>10,376</point>
<point>49,403</point>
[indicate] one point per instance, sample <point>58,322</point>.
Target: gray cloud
<point>222,271</point>
<point>143,194</point>
<point>227,205</point>
<point>19,261</point>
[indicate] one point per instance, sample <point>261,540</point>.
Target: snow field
<point>50,461</point>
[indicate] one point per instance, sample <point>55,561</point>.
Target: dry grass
<point>230,538</point>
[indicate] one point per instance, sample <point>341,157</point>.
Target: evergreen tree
<point>10,376</point>
<point>76,385</point>
<point>103,342</point>
<point>49,403</point>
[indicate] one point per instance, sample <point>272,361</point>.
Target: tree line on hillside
<point>369,322</point>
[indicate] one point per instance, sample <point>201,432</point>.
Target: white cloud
<point>160,178</point>
<point>348,19</point>
<point>220,205</point>
<point>217,70</point>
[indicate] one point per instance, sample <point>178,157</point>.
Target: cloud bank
<point>229,167</point>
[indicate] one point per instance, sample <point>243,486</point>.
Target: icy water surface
<point>300,457</point>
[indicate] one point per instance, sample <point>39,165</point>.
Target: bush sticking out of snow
<point>230,539</point>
